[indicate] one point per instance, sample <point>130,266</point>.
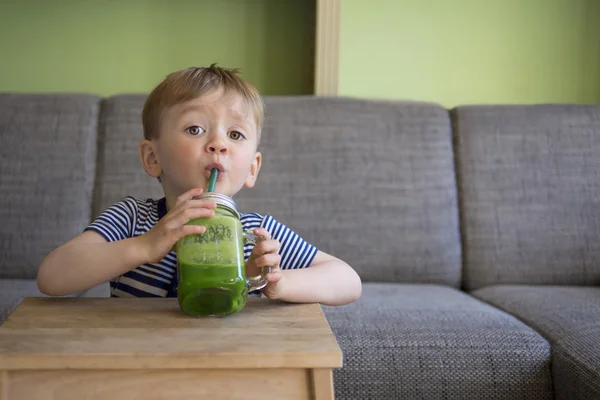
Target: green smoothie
<point>212,280</point>
<point>222,295</point>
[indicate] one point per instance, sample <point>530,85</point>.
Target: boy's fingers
<point>191,229</point>
<point>274,276</point>
<point>266,246</point>
<point>202,204</point>
<point>268,260</point>
<point>275,273</point>
<point>190,194</point>
<point>186,215</point>
<point>263,233</point>
<point>192,204</point>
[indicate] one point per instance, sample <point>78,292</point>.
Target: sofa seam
<point>454,126</point>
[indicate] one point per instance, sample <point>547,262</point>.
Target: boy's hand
<point>265,254</point>
<point>159,240</point>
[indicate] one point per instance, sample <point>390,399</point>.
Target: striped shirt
<point>133,217</point>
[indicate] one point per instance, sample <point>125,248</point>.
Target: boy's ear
<point>149,158</point>
<point>254,168</point>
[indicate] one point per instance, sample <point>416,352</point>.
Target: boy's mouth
<point>210,167</point>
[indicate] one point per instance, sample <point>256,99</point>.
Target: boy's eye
<point>195,130</point>
<point>235,135</point>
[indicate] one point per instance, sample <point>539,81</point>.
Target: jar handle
<point>260,281</point>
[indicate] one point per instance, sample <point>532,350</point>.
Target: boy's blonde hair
<point>188,84</point>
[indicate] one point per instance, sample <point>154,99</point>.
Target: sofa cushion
<point>48,152</point>
<point>431,342</point>
<point>369,181</point>
<point>529,181</point>
<point>120,172</point>
<point>13,291</point>
<point>569,318</point>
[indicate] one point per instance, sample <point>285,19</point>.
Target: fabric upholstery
<point>393,162</point>
<point>369,181</point>
<point>120,172</point>
<point>569,318</point>
<point>529,182</point>
<point>48,153</point>
<point>431,342</point>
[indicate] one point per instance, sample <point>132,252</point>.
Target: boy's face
<point>213,130</point>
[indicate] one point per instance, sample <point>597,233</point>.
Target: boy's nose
<point>217,145</point>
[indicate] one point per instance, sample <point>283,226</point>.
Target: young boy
<point>195,120</point>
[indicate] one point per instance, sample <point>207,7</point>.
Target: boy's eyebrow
<point>237,115</point>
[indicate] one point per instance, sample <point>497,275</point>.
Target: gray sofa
<point>475,230</point>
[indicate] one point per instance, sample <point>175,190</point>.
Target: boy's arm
<point>89,259</point>
<point>86,261</point>
<point>328,280</point>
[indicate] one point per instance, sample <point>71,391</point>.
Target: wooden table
<point>92,348</point>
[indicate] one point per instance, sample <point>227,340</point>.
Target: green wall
<point>115,46</point>
<point>448,51</point>
<point>471,51</point>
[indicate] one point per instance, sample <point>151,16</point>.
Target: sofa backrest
<point>371,182</point>
<point>48,154</point>
<point>120,172</point>
<point>529,188</point>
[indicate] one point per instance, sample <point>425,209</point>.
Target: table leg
<point>3,385</point>
<point>322,384</point>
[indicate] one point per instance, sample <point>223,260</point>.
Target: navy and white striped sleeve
<point>117,221</point>
<point>295,252</point>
